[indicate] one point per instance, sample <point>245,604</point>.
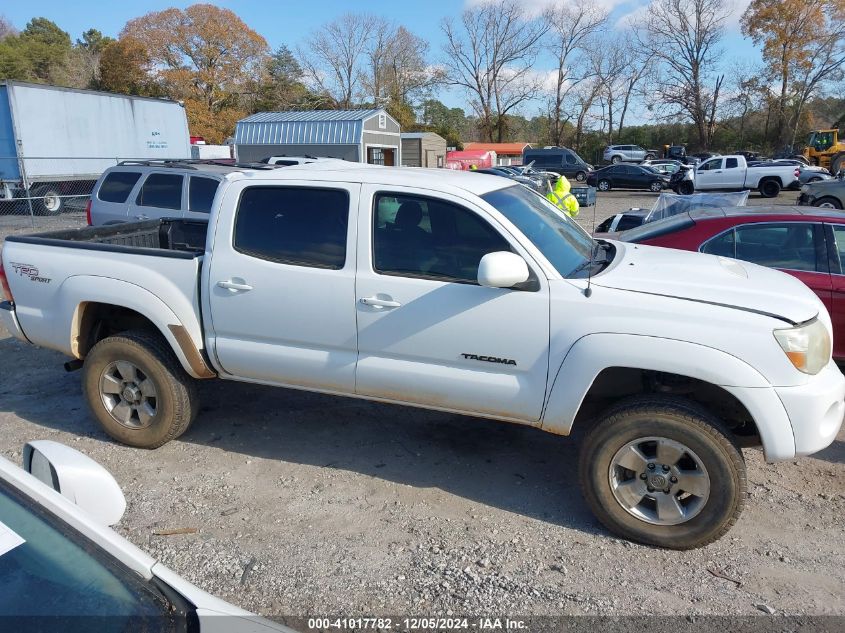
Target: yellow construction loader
<point>824,149</point>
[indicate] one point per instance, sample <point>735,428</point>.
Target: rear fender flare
<point>76,292</point>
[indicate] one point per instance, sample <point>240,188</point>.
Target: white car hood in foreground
<point>709,279</point>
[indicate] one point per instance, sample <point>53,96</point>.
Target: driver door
<point>709,174</point>
<point>428,334</point>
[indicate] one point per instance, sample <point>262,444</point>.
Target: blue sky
<point>289,22</point>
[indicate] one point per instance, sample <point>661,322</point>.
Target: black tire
<point>837,163</point>
<point>581,176</point>
<point>615,159</point>
<point>686,188</point>
<point>47,200</point>
<point>769,188</point>
<point>603,185</point>
<point>828,202</point>
<point>656,186</point>
<point>176,401</point>
<point>676,420</point>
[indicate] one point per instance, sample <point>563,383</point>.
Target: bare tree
<point>6,27</point>
<point>825,62</point>
<point>573,26</point>
<point>397,70</point>
<point>682,37</point>
<point>332,58</point>
<point>490,53</point>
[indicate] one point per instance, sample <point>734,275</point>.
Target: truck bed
<point>184,239</point>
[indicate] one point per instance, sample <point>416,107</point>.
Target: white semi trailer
<point>55,142</point>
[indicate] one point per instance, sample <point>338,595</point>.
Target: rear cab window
<point>163,191</point>
<point>299,226</point>
<point>117,186</point>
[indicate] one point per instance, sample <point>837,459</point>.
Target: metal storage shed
<point>366,136</point>
<point>423,149</point>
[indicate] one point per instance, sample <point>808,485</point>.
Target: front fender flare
<point>592,354</point>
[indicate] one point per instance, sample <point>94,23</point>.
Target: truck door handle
<point>233,286</point>
<point>375,302</point>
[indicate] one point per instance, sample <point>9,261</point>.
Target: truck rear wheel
<point>137,390</point>
<point>769,188</point>
<point>663,471</point>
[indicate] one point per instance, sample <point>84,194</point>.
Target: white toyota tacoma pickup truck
<point>732,173</point>
<point>457,292</point>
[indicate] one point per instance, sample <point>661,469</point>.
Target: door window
<point>839,237</point>
<point>163,191</point>
<point>711,164</point>
<point>570,160</point>
<point>792,246</point>
<point>414,236</point>
<point>300,226</point>
<point>201,194</point>
<point>731,163</point>
<point>117,186</point>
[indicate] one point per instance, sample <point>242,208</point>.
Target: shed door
<point>430,160</point>
<point>381,156</point>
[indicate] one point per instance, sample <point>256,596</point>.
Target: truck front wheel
<point>663,471</point>
<point>137,389</point>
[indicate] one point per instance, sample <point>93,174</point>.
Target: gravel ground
<point>308,505</point>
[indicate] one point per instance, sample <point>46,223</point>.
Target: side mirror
<point>77,477</point>
<point>502,270</point>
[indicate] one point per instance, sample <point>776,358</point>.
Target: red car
<point>808,243</point>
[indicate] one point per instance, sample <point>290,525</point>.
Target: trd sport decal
<point>30,272</point>
<point>490,359</point>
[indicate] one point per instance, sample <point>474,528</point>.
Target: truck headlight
<point>807,346</point>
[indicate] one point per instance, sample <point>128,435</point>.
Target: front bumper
<point>10,320</point>
<point>815,409</point>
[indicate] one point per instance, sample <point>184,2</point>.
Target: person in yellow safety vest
<point>473,167</point>
<point>562,198</point>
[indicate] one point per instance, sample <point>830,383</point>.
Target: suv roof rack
<point>191,163</point>
<point>185,163</point>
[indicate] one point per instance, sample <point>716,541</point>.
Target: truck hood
<point>709,279</point>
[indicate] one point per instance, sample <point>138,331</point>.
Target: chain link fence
<point>47,193</point>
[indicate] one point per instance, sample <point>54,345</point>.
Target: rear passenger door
<point>161,196</point>
<point>280,287</point>
<point>733,176</point>
<point>428,334</point>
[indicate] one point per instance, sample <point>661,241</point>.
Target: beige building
<point>423,149</point>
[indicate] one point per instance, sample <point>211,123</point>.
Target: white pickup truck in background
<point>732,173</point>
<point>457,292</point>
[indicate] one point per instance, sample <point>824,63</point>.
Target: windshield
<point>669,204</point>
<point>562,241</point>
<point>52,570</point>
<point>580,160</point>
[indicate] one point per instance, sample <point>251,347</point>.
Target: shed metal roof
<point>314,127</point>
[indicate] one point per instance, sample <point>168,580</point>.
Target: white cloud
<point>536,7</point>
